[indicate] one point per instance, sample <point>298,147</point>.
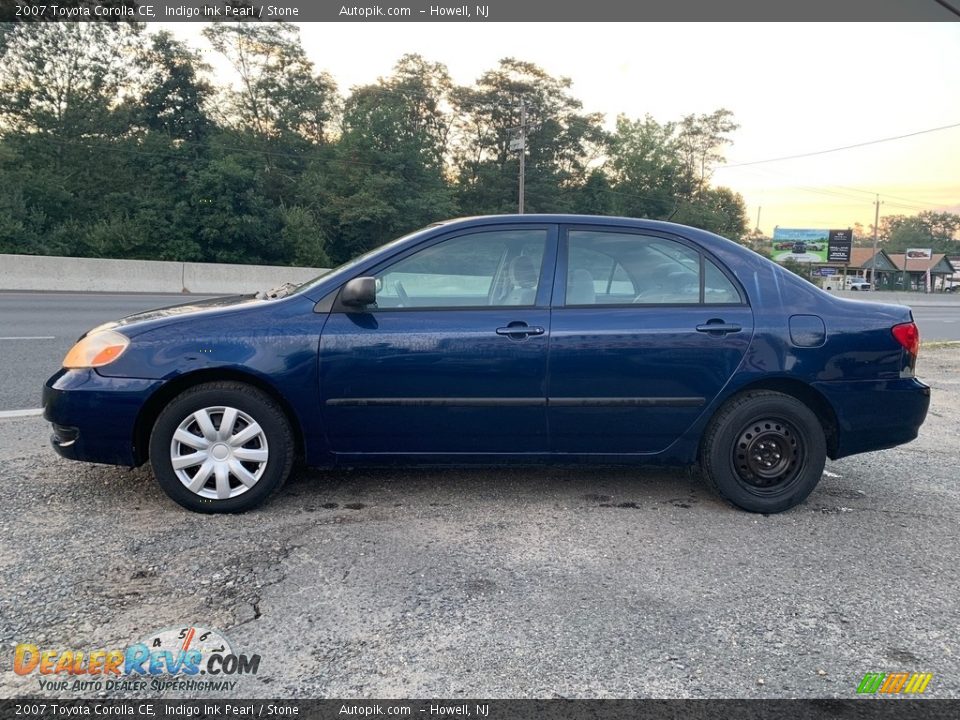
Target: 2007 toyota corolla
<point>526,339</point>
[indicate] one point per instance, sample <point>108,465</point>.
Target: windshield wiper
<point>277,292</point>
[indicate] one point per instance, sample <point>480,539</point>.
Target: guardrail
<point>49,273</point>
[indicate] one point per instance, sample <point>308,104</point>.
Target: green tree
<point>173,95</point>
<point>702,139</point>
<point>113,142</point>
<point>562,141</point>
<point>59,115</point>
<point>389,167</point>
<point>304,237</point>
<point>647,169</point>
<point>280,92</point>
<point>662,171</point>
<point>719,210</point>
<point>281,121</point>
<point>939,231</point>
<point>236,222</point>
<point>63,78</point>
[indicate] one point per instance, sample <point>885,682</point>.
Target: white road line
<point>20,413</point>
<point>29,337</point>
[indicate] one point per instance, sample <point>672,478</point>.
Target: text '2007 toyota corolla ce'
<point>524,339</point>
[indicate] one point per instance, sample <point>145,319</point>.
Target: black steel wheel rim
<point>768,455</point>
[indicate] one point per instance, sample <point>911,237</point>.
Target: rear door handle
<point>518,330</point>
<point>718,327</point>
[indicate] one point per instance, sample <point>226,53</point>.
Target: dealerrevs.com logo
<point>183,658</point>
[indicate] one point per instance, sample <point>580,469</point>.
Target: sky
<point>793,87</point>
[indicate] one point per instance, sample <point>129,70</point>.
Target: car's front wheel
<point>764,451</point>
<point>221,447</point>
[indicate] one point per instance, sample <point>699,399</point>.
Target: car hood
<point>150,319</point>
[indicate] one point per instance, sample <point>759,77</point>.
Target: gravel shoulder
<point>547,582</point>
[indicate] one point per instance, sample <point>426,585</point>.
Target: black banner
<point>900,708</point>
<point>483,11</point>
<point>838,246</point>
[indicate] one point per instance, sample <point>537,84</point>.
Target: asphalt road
<point>37,329</point>
<point>549,582</point>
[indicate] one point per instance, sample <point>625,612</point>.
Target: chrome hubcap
<point>219,452</point>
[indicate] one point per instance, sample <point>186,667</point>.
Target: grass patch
<point>939,344</point>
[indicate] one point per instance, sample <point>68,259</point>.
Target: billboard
<point>809,245</point>
<point>838,246</point>
<point>800,244</point>
<point>918,254</point>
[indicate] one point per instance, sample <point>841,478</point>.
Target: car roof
<point>573,219</point>
<point>704,237</point>
<point>564,218</point>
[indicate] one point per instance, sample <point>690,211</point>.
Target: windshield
<point>346,267</point>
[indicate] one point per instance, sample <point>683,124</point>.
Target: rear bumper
<point>873,415</point>
<point>94,416</point>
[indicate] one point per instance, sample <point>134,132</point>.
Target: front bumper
<point>94,417</point>
<point>874,415</point>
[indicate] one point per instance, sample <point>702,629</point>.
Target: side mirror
<point>359,292</point>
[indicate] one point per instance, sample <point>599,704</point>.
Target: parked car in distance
<point>858,284</point>
<point>521,339</point>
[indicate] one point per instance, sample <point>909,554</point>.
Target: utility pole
<point>876,227</point>
<point>759,208</point>
<point>523,150</point>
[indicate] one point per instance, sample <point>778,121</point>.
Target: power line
<point>838,149</point>
<point>866,192</point>
<point>826,190</point>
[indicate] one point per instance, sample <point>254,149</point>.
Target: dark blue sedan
<point>522,339</point>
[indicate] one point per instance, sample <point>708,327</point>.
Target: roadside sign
<point>838,246</point>
<point>806,245</point>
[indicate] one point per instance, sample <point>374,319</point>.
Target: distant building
<point>912,273</point>
<point>861,265</point>
<point>954,279</point>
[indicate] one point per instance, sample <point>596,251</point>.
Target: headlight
<point>96,350</point>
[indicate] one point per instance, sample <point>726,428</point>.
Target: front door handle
<point>519,330</point>
<point>718,327</point>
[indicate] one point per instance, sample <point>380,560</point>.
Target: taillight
<point>908,335</point>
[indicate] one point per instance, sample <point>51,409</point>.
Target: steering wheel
<point>402,294</point>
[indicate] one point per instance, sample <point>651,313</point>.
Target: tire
<point>764,451</point>
<point>243,466</point>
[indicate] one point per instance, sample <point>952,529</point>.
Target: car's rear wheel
<point>764,451</point>
<point>221,447</point>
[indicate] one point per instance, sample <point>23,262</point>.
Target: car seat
<point>580,288</point>
<point>522,276</point>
